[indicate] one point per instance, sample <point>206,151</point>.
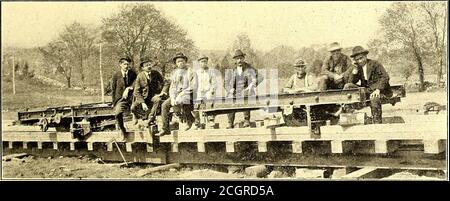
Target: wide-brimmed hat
<point>238,53</point>
<point>144,60</point>
<point>202,57</point>
<point>334,46</point>
<point>299,62</point>
<point>358,50</point>
<point>179,55</point>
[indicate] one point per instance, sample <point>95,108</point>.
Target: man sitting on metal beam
<point>301,81</point>
<point>372,75</point>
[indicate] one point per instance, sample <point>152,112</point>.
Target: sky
<point>212,25</point>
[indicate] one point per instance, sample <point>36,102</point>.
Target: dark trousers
<point>119,108</point>
<point>375,104</point>
<point>184,109</point>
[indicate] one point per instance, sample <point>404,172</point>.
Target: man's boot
<point>123,130</point>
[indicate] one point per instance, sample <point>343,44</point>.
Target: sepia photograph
<point>229,90</point>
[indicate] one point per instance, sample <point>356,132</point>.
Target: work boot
<point>246,123</point>
<point>195,127</point>
<point>162,133</point>
<point>135,119</point>
<point>184,127</point>
<point>230,126</point>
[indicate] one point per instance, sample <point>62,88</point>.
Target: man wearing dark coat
<point>122,88</point>
<point>241,81</point>
<point>372,75</point>
<point>147,91</point>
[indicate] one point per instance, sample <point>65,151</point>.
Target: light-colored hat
<point>202,57</point>
<point>179,55</point>
<point>238,53</point>
<point>334,46</point>
<point>299,62</point>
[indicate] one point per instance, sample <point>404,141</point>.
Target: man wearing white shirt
<point>206,87</point>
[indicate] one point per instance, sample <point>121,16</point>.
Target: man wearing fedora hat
<point>206,87</point>
<point>147,91</point>
<point>182,86</point>
<point>335,69</point>
<point>372,75</point>
<point>241,81</point>
<point>122,87</point>
<point>301,81</point>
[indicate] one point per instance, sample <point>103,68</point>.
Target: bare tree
<point>141,30</point>
<point>56,54</point>
<point>402,27</point>
<point>80,41</point>
<point>243,43</point>
<point>436,21</point>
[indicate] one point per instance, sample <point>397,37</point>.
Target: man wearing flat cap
<point>182,86</point>
<point>147,91</point>
<point>241,81</point>
<point>122,87</point>
<point>335,69</point>
<point>206,88</point>
<point>372,75</point>
<point>301,81</point>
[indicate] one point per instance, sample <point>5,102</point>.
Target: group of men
<point>339,72</point>
<point>146,92</point>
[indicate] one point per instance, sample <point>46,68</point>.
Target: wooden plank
<point>10,144</point>
<point>229,146</point>
<point>39,144</point>
<point>359,173</point>
<point>25,145</point>
<point>109,146</point>
<point>201,146</point>
<point>149,147</point>
<point>434,146</point>
<point>144,172</point>
<point>128,147</point>
<point>174,147</point>
<point>90,146</point>
<point>381,146</point>
<point>55,145</point>
<point>72,146</point>
<point>262,146</point>
<point>297,147</point>
<point>336,146</point>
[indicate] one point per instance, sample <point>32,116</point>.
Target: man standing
<point>206,87</point>
<point>182,85</point>
<point>239,82</point>
<point>147,91</point>
<point>372,75</point>
<point>335,69</point>
<point>301,81</point>
<point>122,87</point>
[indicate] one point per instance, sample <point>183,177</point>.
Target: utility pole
<point>101,75</point>
<point>14,75</point>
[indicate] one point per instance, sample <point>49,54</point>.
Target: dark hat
<point>238,53</point>
<point>334,46</point>
<point>358,50</point>
<point>145,60</point>
<point>125,58</point>
<point>299,62</point>
<point>202,57</point>
<point>179,55</point>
